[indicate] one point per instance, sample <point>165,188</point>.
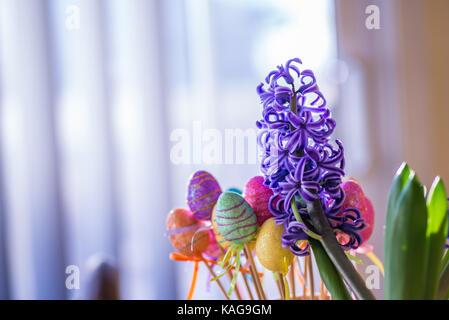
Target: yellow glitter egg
<point>270,252</point>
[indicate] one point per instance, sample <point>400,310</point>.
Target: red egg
<point>258,195</point>
<point>182,229</point>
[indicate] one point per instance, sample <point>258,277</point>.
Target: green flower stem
<point>329,273</point>
<point>310,233</point>
<point>336,254</point>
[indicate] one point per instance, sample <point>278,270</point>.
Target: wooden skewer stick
<point>306,272</point>
<point>312,285</point>
<point>230,276</point>
<point>259,283</point>
<point>326,293</point>
<point>278,284</point>
<point>282,285</point>
<point>218,281</point>
<point>247,287</point>
<point>292,279</point>
<point>254,273</point>
<point>322,291</point>
<point>256,286</point>
<point>298,272</point>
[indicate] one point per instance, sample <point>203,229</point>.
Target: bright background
<point>88,106</point>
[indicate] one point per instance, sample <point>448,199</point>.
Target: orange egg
<point>182,229</point>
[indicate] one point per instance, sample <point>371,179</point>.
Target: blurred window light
<point>140,146</point>
<point>268,32</point>
<point>33,232</point>
<point>83,127</point>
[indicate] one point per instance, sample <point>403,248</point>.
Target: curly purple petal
<point>298,161</point>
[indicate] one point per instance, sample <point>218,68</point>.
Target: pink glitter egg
<point>202,194</point>
<point>213,250</point>
<point>355,198</point>
<point>368,215</point>
<point>258,195</point>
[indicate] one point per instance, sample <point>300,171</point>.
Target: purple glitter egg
<point>202,194</point>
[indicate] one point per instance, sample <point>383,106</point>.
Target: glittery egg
<point>258,196</point>
<point>213,250</point>
<point>202,194</point>
<point>182,229</point>
<point>236,190</point>
<point>270,252</point>
<point>368,216</point>
<point>235,218</point>
<point>355,198</point>
<point>218,237</point>
<point>222,241</point>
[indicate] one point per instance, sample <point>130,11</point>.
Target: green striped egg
<point>235,218</point>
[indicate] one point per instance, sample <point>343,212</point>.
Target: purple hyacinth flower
<point>298,161</point>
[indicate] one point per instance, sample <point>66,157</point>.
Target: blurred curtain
<point>83,161</point>
<point>32,217</point>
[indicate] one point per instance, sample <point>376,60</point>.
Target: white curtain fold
<point>30,168</point>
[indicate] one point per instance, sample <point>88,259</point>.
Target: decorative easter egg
<point>235,218</point>
<point>202,194</point>
<point>355,198</point>
<point>236,190</point>
<point>368,216</point>
<point>219,238</point>
<point>270,252</point>
<point>183,231</point>
<point>213,250</point>
<point>258,195</point>
<point>222,241</point>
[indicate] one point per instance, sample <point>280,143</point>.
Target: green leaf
<point>443,290</point>
<point>405,274</point>
<point>329,273</point>
<point>437,225</point>
<point>400,180</point>
<point>445,260</point>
